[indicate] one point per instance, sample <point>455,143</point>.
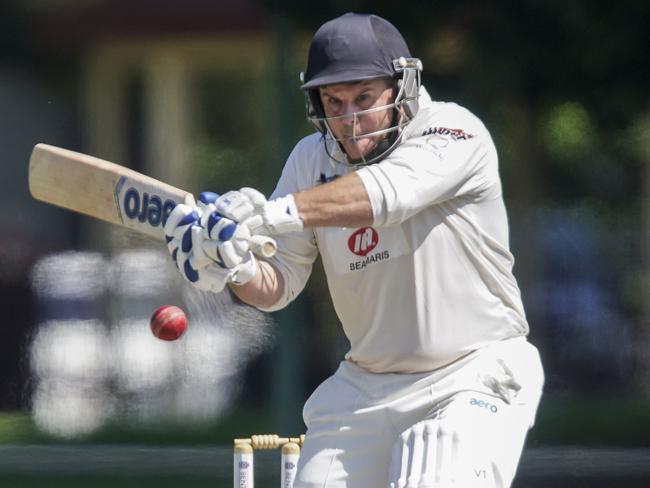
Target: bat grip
<point>264,246</point>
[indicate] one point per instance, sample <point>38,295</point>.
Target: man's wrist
<point>281,215</point>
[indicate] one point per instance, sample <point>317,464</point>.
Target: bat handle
<point>264,246</point>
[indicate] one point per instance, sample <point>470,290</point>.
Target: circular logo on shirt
<point>363,241</point>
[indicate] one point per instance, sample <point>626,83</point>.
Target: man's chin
<point>355,151</point>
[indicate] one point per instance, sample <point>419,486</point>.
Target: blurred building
<point>186,92</point>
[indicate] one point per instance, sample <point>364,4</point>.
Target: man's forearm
<point>264,290</point>
<point>343,202</point>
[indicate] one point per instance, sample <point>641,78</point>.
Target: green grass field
<point>593,421</point>
<point>561,420</point>
<point>107,481</point>
<point>609,437</point>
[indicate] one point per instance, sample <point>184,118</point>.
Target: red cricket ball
<point>168,323</point>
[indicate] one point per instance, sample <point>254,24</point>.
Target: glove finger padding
<point>186,257</point>
<point>245,271</point>
<point>172,246</point>
<point>239,205</point>
<point>207,198</point>
<point>218,227</point>
<point>229,255</point>
<point>234,205</point>
<point>240,239</point>
<point>215,277</point>
<point>212,278</point>
<point>209,249</point>
<point>257,199</point>
<point>201,271</point>
<point>178,234</point>
<point>199,258</point>
<point>225,241</point>
<point>179,220</point>
<point>256,225</point>
<point>182,262</point>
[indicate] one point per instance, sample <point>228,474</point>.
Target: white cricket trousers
<point>462,426</point>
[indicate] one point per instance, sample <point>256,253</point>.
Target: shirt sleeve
<point>297,251</point>
<point>439,165</point>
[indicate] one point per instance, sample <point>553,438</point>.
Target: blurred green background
<point>205,95</point>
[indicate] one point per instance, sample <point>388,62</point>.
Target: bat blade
<point>101,189</point>
<point>109,192</point>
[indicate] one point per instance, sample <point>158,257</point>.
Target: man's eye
<point>333,103</point>
<point>363,99</point>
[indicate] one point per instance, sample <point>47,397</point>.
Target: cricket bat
<point>110,192</point>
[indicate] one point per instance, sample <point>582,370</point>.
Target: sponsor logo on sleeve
<point>454,134</point>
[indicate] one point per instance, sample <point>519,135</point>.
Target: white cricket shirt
<point>431,280</point>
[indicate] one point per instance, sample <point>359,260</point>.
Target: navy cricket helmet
<point>357,47</point>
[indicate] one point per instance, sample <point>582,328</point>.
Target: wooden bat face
<point>101,189</point>
<point>110,192</point>
<point>143,207</point>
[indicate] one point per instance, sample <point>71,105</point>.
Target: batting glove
<point>261,216</point>
<point>177,229</point>
<point>225,241</point>
<point>206,263</point>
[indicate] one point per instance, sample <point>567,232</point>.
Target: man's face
<point>344,99</point>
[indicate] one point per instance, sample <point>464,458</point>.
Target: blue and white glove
<point>224,241</point>
<point>178,229</point>
<point>208,264</point>
<point>260,215</point>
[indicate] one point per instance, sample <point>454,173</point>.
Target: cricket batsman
<point>401,197</point>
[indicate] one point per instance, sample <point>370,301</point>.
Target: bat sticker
<point>136,203</point>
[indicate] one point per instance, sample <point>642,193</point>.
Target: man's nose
<point>349,118</point>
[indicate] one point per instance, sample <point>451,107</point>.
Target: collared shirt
<point>431,280</point>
